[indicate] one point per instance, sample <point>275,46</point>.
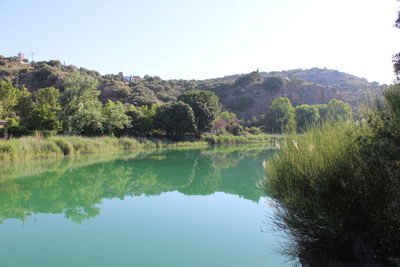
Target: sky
<point>188,39</point>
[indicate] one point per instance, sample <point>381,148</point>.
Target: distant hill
<point>247,95</point>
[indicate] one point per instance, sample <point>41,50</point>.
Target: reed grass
<point>33,147</point>
<point>336,189</point>
<point>243,139</point>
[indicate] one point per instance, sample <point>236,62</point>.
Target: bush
<point>11,122</point>
<point>254,130</point>
<point>235,129</point>
<point>273,83</point>
<point>47,133</point>
<point>2,131</point>
<point>128,143</point>
<point>17,131</point>
<point>65,146</point>
<point>241,103</point>
<point>337,190</point>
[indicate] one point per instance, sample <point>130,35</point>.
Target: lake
<point>198,207</point>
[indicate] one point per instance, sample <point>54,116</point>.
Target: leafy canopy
<point>205,105</point>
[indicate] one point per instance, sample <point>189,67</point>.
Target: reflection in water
<point>73,186</point>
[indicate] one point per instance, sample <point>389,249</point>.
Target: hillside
<point>247,95</point>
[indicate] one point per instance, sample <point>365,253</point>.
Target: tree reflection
<point>73,186</point>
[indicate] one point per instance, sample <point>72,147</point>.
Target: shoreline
<point>33,147</point>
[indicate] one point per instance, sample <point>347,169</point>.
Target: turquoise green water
<point>159,208</point>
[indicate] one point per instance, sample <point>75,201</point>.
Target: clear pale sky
<point>206,38</point>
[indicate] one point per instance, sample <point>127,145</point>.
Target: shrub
<point>254,130</point>
<point>17,131</point>
<point>65,146</point>
<point>128,143</point>
<point>11,122</point>
<point>241,103</point>
<point>2,131</point>
<point>337,188</point>
<point>47,133</point>
<point>273,83</point>
<point>235,129</point>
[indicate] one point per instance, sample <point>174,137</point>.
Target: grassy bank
<point>242,139</point>
<point>58,146</point>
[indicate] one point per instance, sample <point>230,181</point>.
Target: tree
<point>339,111</point>
<point>142,119</point>
<point>81,109</point>
<point>323,112</point>
<point>273,83</point>
<point>114,117</point>
<point>205,105</point>
<point>24,105</point>
<point>396,58</point>
<point>224,120</point>
<point>43,117</point>
<point>41,114</point>
<point>48,96</point>
<point>248,79</point>
<point>306,116</point>
<point>175,119</point>
<point>8,98</point>
<point>280,116</point>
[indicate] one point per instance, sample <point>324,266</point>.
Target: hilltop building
<point>131,78</point>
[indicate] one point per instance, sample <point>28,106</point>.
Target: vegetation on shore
<point>243,139</point>
<point>337,187</point>
<point>35,147</point>
<point>76,110</point>
<point>75,106</point>
<point>25,148</point>
<point>247,95</point>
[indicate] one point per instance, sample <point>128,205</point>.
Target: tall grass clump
<point>37,146</point>
<point>337,190</point>
<point>227,139</point>
<point>66,147</point>
<point>28,147</point>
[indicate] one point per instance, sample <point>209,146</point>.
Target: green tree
<point>280,116</point>
<point>8,98</point>
<point>339,111</point>
<point>306,116</point>
<point>81,109</point>
<point>41,114</point>
<point>43,117</point>
<point>248,79</point>
<point>142,119</point>
<point>273,83</point>
<point>114,117</point>
<point>396,58</point>
<point>323,112</point>
<point>48,96</point>
<point>24,105</point>
<point>205,105</point>
<point>175,119</point>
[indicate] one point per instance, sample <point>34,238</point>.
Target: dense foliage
<point>280,116</point>
<point>175,119</point>
<point>337,188</point>
<point>54,98</point>
<point>205,105</point>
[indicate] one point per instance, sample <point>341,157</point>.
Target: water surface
<point>158,208</point>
